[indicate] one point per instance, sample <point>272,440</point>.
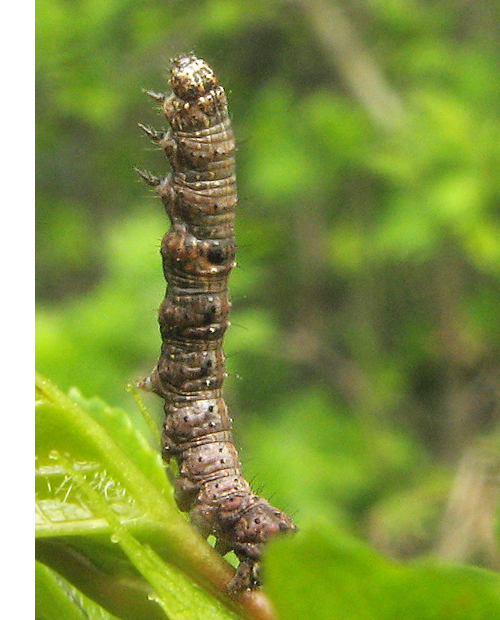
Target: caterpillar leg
<point>246,577</point>
<point>152,383</point>
<point>164,188</point>
<point>162,138</point>
<point>222,547</point>
<point>148,178</point>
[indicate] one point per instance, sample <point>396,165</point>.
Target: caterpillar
<point>198,253</point>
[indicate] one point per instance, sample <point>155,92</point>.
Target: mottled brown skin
<point>198,254</point>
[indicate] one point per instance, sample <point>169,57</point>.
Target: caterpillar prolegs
<point>198,254</point>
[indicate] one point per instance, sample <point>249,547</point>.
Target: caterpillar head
<point>192,78</point>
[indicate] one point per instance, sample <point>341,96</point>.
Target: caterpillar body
<point>198,255</point>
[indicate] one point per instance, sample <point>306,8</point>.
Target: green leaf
<point>55,598</point>
<point>323,574</point>
<point>104,503</point>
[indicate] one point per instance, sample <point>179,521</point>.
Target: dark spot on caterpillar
<point>208,317</point>
<point>191,368</point>
<point>215,256</point>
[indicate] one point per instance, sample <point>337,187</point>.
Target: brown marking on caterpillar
<point>198,254</point>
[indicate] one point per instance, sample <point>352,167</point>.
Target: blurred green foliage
<point>347,581</point>
<point>364,352</point>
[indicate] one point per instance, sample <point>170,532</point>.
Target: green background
<point>364,351</point>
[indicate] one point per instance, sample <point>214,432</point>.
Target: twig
<point>345,49</point>
<point>469,524</point>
